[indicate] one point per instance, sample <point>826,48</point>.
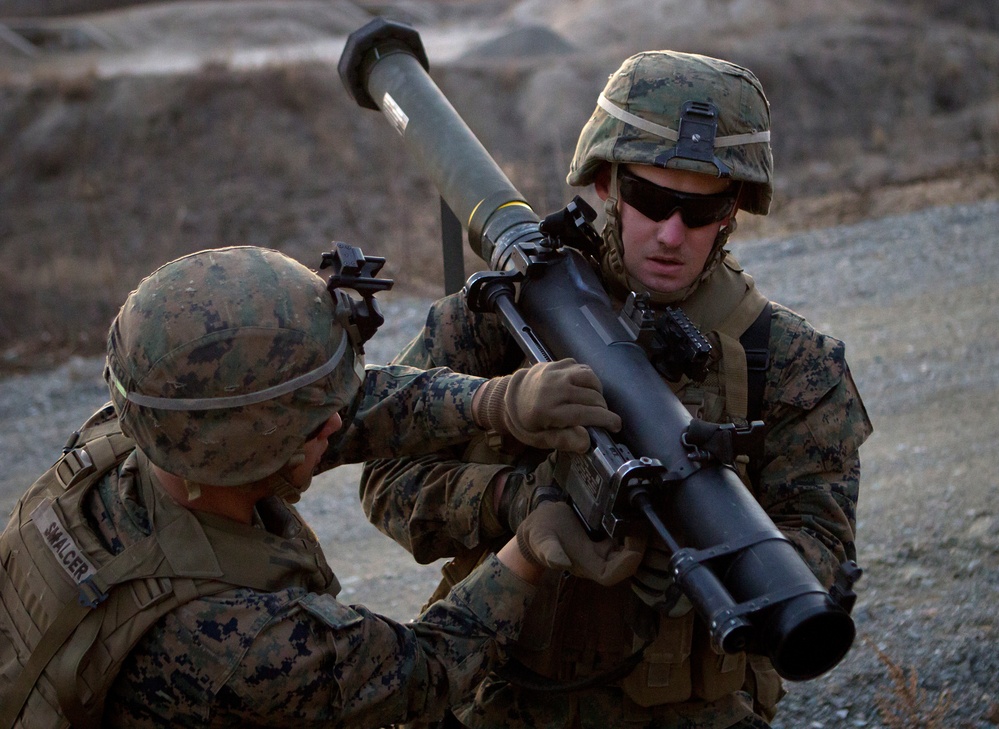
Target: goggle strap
<point>732,140</point>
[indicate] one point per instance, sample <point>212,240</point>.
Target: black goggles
<point>658,203</point>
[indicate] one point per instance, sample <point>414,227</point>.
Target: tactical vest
<point>577,630</point>
<point>71,610</point>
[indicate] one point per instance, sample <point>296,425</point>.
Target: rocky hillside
<point>135,133</point>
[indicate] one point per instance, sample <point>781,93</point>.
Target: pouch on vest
<point>764,684</point>
<point>664,675</point>
<point>712,674</point>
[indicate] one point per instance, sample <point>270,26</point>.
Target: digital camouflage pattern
<point>294,656</point>
<point>222,323</point>
<point>807,478</point>
<point>654,85</point>
<point>808,485</point>
<point>401,409</point>
<point>246,628</point>
<point>277,555</point>
<point>244,319</point>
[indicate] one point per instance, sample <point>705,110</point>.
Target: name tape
<point>70,556</point>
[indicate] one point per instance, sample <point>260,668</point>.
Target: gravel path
<point>915,297</point>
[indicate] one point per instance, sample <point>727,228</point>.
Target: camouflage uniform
<point>808,486</point>
<point>213,622</point>
<point>297,656</point>
<point>807,478</point>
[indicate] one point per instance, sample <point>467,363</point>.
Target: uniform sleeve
<point>402,410</point>
<point>305,660</point>
<point>816,423</point>
<point>422,402</point>
<point>388,672</point>
<point>431,504</point>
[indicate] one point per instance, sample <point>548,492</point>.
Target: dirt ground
<point>125,150</point>
<point>914,297</point>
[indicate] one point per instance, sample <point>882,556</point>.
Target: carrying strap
<point>736,377</point>
<point>744,337</point>
<point>61,628</point>
<point>756,344</point>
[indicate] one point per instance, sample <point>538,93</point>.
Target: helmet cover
<point>638,121</point>
<point>222,363</point>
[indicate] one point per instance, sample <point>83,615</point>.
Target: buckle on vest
<point>757,360</point>
<point>721,442</point>
<point>73,465</point>
<point>90,594</point>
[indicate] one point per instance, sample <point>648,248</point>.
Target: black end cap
<point>375,33</point>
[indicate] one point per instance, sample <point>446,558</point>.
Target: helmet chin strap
<point>612,256</point>
<point>282,484</point>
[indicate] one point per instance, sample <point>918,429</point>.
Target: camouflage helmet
<point>660,108</point>
<point>222,363</point>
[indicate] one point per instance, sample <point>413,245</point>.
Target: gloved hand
<point>552,536</point>
<point>546,406</point>
<point>653,582</point>
<point>523,490</point>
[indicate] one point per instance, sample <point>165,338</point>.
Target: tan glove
<point>547,405</point>
<point>523,489</point>
<point>553,537</point>
<point>654,585</point>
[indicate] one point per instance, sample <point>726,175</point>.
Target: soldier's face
<point>666,255</point>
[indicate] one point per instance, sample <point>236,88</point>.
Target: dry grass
<point>905,705</point>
